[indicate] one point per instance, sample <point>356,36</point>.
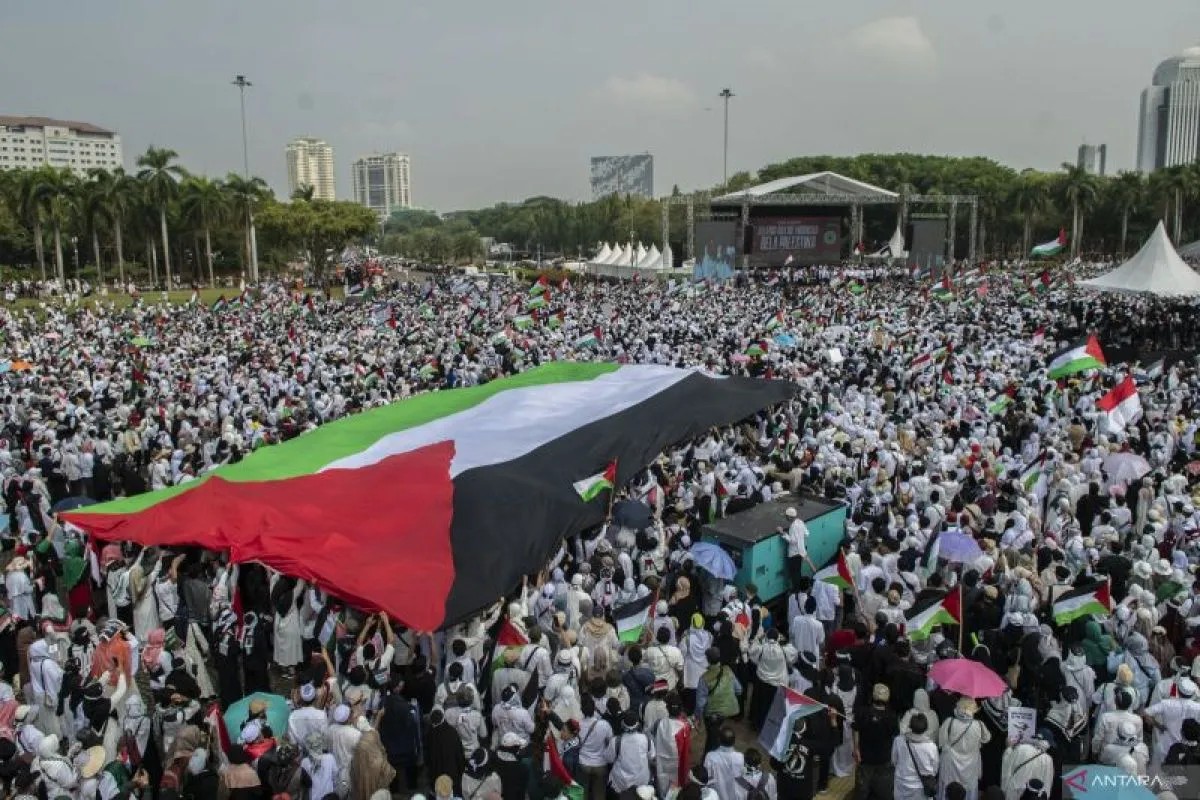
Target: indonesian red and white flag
<point>1121,405</point>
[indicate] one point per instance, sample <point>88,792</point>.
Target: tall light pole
<point>241,82</point>
<point>725,94</point>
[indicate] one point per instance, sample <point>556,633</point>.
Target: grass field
<point>121,300</point>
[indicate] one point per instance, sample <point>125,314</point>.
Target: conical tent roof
<point>625,258</point>
<point>614,253</point>
<point>652,259</point>
<point>1155,269</point>
<point>605,252</point>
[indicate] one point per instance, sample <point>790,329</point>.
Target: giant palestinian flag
<point>1082,356</point>
<point>431,508</point>
<point>1090,598</point>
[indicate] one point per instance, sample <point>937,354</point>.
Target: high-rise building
<point>31,142</point>
<point>623,175</point>
<point>381,182</point>
<point>310,163</point>
<point>1093,157</point>
<point>1169,116</point>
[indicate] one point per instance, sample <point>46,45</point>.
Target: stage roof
<point>813,183</point>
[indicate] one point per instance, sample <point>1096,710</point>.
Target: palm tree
<point>304,193</point>
<point>1127,191</point>
<point>119,192</point>
<point>161,177</point>
<point>1029,196</point>
<point>30,209</point>
<point>54,192</point>
<point>204,202</point>
<point>1078,188</point>
<point>93,208</point>
<point>247,193</point>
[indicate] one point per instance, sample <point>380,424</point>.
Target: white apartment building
<point>31,142</point>
<point>310,163</point>
<point>381,183</point>
<point>1169,116</point>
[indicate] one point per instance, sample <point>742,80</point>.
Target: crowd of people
<point>131,672</point>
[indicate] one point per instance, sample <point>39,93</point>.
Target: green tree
<point>1078,189</point>
<point>161,176</point>
<point>321,227</point>
<point>55,190</point>
<point>119,191</point>
<point>247,194</point>
<point>1030,196</point>
<point>31,210</point>
<point>304,193</point>
<point>92,206</point>
<point>1127,191</point>
<point>204,202</point>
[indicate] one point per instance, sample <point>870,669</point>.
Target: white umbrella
<point>1125,467</point>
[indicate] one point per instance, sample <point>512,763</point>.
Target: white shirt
<point>306,720</point>
<point>725,765</point>
<point>797,539</point>
<point>595,734</point>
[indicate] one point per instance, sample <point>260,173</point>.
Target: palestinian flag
<point>436,480</point>
<point>1091,598</point>
<point>523,322</point>
<point>591,488</point>
<point>552,764</point>
<point>1000,403</point>
<point>1052,247</point>
<point>856,287</point>
<point>556,320</point>
<point>587,340</point>
<point>943,291</point>
<point>540,286</point>
<point>1079,357</point>
<point>633,617</point>
<point>788,707</point>
<point>1033,479</point>
<point>774,321</point>
<point>355,291</point>
<point>236,302</point>
<point>218,304</point>
<point>928,614</point>
<point>924,361</point>
<point>538,301</point>
<point>837,572</point>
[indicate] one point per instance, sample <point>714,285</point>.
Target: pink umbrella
<point>967,677</point>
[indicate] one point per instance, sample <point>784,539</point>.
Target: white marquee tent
<point>1155,269</point>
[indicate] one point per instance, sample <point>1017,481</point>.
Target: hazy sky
<point>504,100</point>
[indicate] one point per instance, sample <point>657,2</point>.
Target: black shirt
<point>876,728</point>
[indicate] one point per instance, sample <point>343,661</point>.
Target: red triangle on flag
<point>510,636</point>
<point>953,604</point>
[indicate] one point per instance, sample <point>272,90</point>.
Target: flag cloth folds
<point>1122,406</point>
<point>434,480</point>
<point>1091,598</point>
<point>837,572</point>
<point>923,617</point>
<point>631,618</point>
<point>788,707</point>
<point>218,304</point>
<point>1079,357</point>
<point>591,488</point>
<point>1052,247</point>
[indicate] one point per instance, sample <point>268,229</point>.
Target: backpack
<point>756,791</point>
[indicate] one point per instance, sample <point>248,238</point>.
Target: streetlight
<point>725,94</point>
<point>241,82</point>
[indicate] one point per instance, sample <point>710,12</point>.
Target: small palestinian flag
<point>538,301</point>
<point>557,319</point>
<point>540,286</point>
<point>523,322</point>
<point>1052,247</point>
<point>774,321</point>
<point>1079,357</point>
<point>591,488</point>
<point>836,572</point>
<point>943,291</point>
<point>922,618</point>
<point>1033,479</point>
<point>856,288</point>
<point>632,618</point>
<point>587,340</point>
<point>236,302</point>
<point>1000,403</point>
<point>219,304</point>
<point>1091,598</point>
<point>787,707</point>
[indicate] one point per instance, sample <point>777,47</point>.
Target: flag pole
<point>612,494</point>
<point>962,613</point>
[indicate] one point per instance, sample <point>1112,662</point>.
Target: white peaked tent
<point>614,253</point>
<point>1155,269</point>
<point>651,260</point>
<point>625,259</point>
<point>639,255</point>
<point>605,252</point>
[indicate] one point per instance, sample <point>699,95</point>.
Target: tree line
<point>1106,216</point>
<point>165,225</point>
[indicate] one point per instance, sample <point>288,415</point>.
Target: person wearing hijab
<point>480,778</point>
<point>370,771</point>
<point>1024,763</point>
<point>238,781</point>
<point>443,749</point>
<point>920,708</point>
<point>1145,672</point>
<point>845,687</point>
<point>694,645</point>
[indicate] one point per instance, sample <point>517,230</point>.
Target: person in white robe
<point>959,741</point>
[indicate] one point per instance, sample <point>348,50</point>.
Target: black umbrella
<point>632,514</point>
<point>71,503</point>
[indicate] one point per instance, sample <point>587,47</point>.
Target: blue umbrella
<point>713,559</point>
<point>957,546</point>
<point>785,340</point>
<point>71,503</point>
<point>277,713</point>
